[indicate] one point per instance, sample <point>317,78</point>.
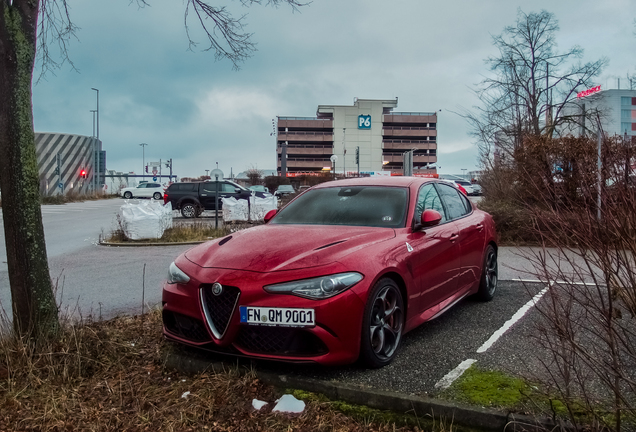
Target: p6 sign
<point>364,121</point>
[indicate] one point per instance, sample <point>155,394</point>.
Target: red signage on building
<point>589,92</point>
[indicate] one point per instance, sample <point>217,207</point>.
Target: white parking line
<point>516,317</point>
<point>450,377</point>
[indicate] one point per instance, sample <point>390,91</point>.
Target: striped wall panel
<point>76,152</point>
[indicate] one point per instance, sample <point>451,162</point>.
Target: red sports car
<point>342,272</point>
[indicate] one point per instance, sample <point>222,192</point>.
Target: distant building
<point>76,155</point>
<point>369,131</point>
<point>617,107</point>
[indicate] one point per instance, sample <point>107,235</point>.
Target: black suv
<point>193,198</point>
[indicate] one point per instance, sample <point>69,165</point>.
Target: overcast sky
<point>198,111</point>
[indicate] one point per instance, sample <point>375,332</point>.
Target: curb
<point>483,418</point>
<point>148,244</point>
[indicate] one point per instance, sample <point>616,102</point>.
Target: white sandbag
<point>146,219</point>
<point>242,210</point>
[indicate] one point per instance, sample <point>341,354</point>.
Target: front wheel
<point>156,196</point>
<point>488,282</point>
<point>189,210</point>
<point>382,324</point>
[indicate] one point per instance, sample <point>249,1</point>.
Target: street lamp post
<point>97,167</point>
<point>143,158</point>
<point>93,146</point>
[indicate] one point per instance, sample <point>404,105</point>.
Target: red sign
<point>588,92</point>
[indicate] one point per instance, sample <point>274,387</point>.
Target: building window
<point>626,115</point>
<point>626,101</point>
<point>626,126</point>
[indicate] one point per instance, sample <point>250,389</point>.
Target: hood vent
<point>329,245</point>
<point>225,240</point>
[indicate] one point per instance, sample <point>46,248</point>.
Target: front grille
<point>283,341</point>
<point>185,327</point>
<point>218,309</point>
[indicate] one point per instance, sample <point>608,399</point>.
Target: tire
<point>489,278</point>
<point>128,195</point>
<point>189,210</point>
<point>156,196</point>
<point>382,324</point>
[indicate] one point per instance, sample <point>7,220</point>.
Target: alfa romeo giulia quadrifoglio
<point>341,273</point>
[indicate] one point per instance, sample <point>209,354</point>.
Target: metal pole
<point>598,177</point>
<point>93,145</point>
<point>99,180</point>
<point>216,202</point>
<point>143,159</point>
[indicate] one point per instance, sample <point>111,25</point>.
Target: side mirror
<point>269,215</point>
<point>238,190</point>
<point>430,218</point>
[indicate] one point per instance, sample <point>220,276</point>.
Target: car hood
<point>271,248</point>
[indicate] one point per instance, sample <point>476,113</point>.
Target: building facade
<point>66,163</point>
<point>617,108</point>
<point>367,137</point>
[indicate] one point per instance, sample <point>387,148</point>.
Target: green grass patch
<point>490,389</point>
<point>75,197</point>
<point>190,232</point>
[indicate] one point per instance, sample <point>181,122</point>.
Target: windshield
<point>373,206</point>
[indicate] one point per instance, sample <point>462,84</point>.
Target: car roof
<point>397,181</point>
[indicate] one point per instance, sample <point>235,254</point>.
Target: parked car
<point>283,190</point>
<point>468,186</point>
<point>259,188</point>
<point>193,198</point>
<point>455,185</point>
<point>144,190</point>
<point>342,272</point>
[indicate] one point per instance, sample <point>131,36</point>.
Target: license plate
<point>289,317</point>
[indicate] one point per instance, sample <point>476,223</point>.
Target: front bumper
<point>194,316</point>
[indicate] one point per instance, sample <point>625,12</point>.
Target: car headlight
<point>317,288</point>
<point>176,275</point>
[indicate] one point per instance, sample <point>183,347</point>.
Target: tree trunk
<point>33,302</point>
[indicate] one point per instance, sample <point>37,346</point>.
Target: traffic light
<point>146,168</point>
<point>357,155</point>
<point>83,173</point>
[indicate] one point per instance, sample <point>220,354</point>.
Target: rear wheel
<point>128,195</point>
<point>382,324</point>
<point>189,210</point>
<point>489,278</point>
<point>156,196</point>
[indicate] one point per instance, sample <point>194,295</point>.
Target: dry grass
<point>182,232</point>
<point>109,376</point>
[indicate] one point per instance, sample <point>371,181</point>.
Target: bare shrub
<point>588,325</point>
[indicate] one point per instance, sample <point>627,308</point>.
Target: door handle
<point>480,227</point>
<point>454,237</point>
<point>204,195</point>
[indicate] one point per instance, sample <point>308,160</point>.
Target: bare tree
<point>25,25</point>
<point>254,175</point>
<point>532,90</point>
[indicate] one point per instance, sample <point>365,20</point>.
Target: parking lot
<point>437,348</point>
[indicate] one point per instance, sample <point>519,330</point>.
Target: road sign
<point>60,185</point>
<point>154,179</point>
<point>154,172</point>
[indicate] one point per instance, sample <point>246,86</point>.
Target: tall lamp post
<point>93,147</point>
<point>97,167</point>
<point>143,158</point>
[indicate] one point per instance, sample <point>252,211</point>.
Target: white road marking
<point>516,317</point>
<point>450,377</point>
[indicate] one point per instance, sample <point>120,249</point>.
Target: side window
<point>227,187</point>
<point>428,198</point>
<point>455,203</point>
<point>142,186</point>
<point>211,187</point>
